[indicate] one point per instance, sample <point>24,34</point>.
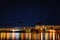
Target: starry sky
<point>29,12</point>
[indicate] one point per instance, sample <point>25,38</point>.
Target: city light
<point>14,30</point>
<point>27,34</point>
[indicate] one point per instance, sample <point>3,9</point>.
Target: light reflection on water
<point>28,36</point>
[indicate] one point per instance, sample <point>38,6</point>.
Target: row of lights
<point>29,30</point>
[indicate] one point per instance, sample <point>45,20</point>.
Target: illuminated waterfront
<point>30,34</point>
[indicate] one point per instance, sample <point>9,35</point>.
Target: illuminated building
<point>43,32</point>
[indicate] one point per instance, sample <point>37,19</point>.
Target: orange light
<point>52,30</point>
<point>41,29</point>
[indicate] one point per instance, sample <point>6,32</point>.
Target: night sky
<point>29,12</point>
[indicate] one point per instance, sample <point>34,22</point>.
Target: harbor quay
<point>43,32</point>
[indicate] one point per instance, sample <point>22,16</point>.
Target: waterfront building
<point>43,32</point>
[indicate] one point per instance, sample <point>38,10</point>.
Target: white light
<point>13,35</point>
<point>41,36</point>
<point>14,30</point>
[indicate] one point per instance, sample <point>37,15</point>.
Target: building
<point>43,32</point>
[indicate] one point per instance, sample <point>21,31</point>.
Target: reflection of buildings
<point>48,32</point>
